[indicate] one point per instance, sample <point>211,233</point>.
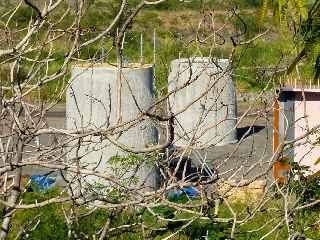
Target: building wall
<point>296,116</point>
<point>307,115</point>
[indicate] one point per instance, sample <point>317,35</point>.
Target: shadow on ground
<point>244,132</point>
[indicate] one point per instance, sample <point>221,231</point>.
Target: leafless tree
<point>31,143</point>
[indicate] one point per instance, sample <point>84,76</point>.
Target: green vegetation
<point>175,38</point>
<point>78,221</point>
<point>50,222</point>
<point>72,221</point>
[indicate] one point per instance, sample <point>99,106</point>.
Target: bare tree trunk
<point>14,193</point>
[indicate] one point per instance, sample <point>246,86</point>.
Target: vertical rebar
<point>154,60</point>
<point>310,83</point>
<point>122,43</point>
<point>124,58</point>
<point>141,49</point>
<point>154,46</point>
<point>102,51</point>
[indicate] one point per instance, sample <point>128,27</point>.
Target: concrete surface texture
<point>211,119</point>
<point>248,158</point>
<point>92,102</point>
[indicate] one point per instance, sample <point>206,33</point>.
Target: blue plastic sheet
<point>42,183</point>
<point>189,191</point>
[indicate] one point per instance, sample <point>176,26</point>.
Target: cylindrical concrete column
<point>205,101</point>
<point>93,102</point>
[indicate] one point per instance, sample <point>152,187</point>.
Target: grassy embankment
<point>176,24</point>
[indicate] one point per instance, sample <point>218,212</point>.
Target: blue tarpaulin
<point>42,183</point>
<point>190,191</point>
